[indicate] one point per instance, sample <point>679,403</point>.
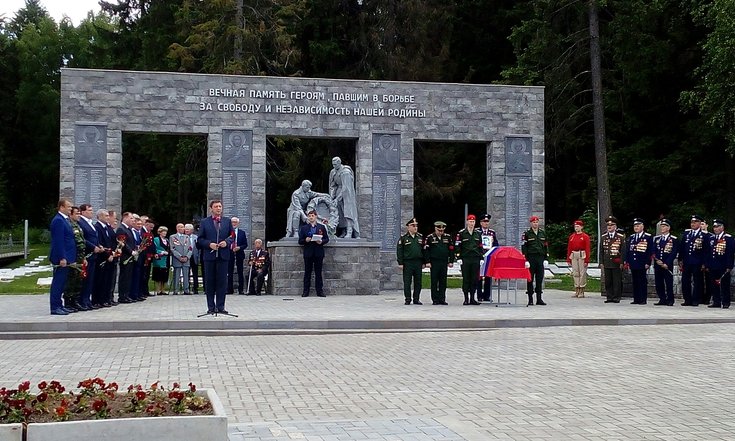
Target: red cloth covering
<point>507,263</point>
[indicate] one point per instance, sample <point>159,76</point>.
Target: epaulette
<point>726,235</point>
<point>462,230</point>
<point>688,229</point>
<point>646,234</point>
<point>672,236</point>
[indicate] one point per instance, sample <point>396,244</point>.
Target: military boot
<point>472,299</point>
<point>466,299</point>
<point>530,300</point>
<point>539,300</point>
<point>581,292</point>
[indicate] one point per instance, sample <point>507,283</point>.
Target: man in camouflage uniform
<point>536,249</point>
<point>468,246</point>
<point>74,282</point>
<point>410,258</point>
<point>439,253</point>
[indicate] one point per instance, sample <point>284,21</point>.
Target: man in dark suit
<point>128,253</point>
<point>313,236</point>
<point>63,253</point>
<point>239,245</point>
<point>259,262</point>
<point>92,249</point>
<point>104,266</point>
<point>215,238</point>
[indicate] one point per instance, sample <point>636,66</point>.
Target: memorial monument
<point>237,114</point>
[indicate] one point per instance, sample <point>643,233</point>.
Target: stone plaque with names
<point>518,158</point>
<point>90,186</point>
<point>236,191</point>
<point>237,149</point>
<point>386,153</point>
<point>386,209</point>
<point>90,145</point>
<point>518,208</point>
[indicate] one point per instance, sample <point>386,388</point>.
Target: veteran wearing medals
<point>665,249</point>
<point>439,253</point>
<point>613,256</point>
<point>468,247</point>
<point>691,262</point>
<point>719,263</point>
<point>536,249</point>
<point>638,259</point>
<point>410,256</point>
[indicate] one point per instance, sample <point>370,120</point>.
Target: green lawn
<point>27,285</point>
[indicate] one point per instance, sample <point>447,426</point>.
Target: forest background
<point>667,77</point>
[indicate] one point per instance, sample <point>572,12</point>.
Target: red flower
<point>140,395</point>
<point>177,385</point>
<point>192,387</point>
<point>24,386</point>
<point>154,386</point>
<point>43,396</point>
<point>99,405</point>
<point>60,411</point>
<point>42,385</point>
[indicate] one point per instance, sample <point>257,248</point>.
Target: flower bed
<point>99,411</point>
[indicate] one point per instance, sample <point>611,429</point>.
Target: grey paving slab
<point>582,383</point>
<point>27,316</point>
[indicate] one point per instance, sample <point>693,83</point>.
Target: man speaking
<point>215,238</point>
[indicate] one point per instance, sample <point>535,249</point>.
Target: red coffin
<point>507,263</point>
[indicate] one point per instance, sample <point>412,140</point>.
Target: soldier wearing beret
<point>536,250</point>
<point>719,263</point>
<point>638,259</point>
<point>691,256</point>
<point>665,249</point>
<point>468,247</point>
<point>409,253</point>
<point>439,253</point>
<point>613,256</point>
<point>489,240</point>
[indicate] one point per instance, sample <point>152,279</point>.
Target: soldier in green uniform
<point>411,260</point>
<point>439,253</point>
<point>73,287</point>
<point>468,246</point>
<point>536,249</point>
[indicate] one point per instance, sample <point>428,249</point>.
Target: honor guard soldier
<point>411,260</point>
<point>536,250</point>
<point>719,263</point>
<point>613,256</point>
<point>665,249</point>
<point>638,259</point>
<point>489,240</point>
<point>439,253</point>
<point>691,261</point>
<point>468,246</point>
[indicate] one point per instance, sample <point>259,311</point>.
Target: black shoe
<point>108,305</point>
<point>124,301</point>
<point>715,306</point>
<point>435,303</point>
<point>686,304</point>
<point>141,299</point>
<point>321,295</point>
<point>634,302</point>
<point>660,304</point>
<point>240,293</point>
<point>442,303</point>
<point>609,301</point>
<point>163,293</point>
<point>475,302</point>
<point>407,302</point>
<point>223,311</point>
<point>466,302</point>
<point>187,293</point>
<point>81,307</point>
<point>96,306</point>
<point>59,311</point>
<point>540,302</point>
<point>211,311</point>
<point>416,302</point>
<point>726,307</point>
<point>304,295</point>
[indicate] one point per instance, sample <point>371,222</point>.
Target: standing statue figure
<point>342,191</point>
<point>296,214</point>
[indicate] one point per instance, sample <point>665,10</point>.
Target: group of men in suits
<point>705,260</point>
<point>118,255</point>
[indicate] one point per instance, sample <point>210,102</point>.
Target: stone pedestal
<point>351,267</point>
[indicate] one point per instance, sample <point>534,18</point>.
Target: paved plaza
<point>525,376</point>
